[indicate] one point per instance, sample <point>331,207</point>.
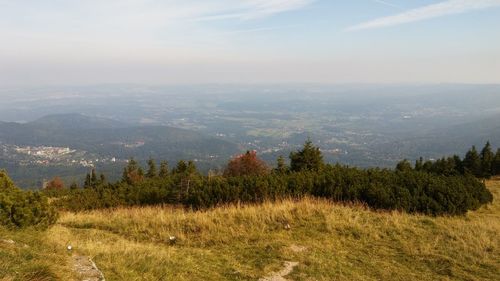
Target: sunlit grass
<point>248,242</point>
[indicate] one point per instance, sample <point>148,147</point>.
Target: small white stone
<point>70,248</point>
<point>172,239</point>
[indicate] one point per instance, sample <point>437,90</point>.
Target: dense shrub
<point>23,208</point>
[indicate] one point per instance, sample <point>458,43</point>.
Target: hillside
<point>111,138</point>
<point>325,241</point>
<point>446,140</point>
<point>101,138</point>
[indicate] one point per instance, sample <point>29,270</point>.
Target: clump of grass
<point>28,255</point>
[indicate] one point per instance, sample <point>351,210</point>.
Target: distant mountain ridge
<point>76,120</point>
<point>108,137</point>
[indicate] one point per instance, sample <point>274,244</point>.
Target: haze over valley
<point>360,125</point>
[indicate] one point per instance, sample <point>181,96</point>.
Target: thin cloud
<point>445,8</point>
<point>386,3</point>
<point>254,9</point>
<point>263,29</point>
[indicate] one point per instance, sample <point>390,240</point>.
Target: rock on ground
<point>280,276</point>
<point>86,269</point>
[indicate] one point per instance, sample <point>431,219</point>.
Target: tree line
<point>483,164</point>
<point>434,188</point>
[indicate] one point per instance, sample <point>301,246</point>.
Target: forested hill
<point>446,140</point>
<point>112,138</point>
<point>100,138</point>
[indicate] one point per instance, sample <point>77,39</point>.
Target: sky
<point>61,42</point>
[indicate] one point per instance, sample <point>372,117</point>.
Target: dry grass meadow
<point>328,241</point>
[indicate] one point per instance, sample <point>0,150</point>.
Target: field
<point>306,240</point>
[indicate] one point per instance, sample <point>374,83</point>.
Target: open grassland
<point>327,241</point>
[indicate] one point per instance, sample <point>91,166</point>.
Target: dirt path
<point>86,269</point>
<point>280,276</point>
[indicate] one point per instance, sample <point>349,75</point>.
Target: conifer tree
<point>472,162</point>
<point>164,172</point>
<point>404,166</point>
<point>93,178</point>
<point>88,181</point>
<point>459,165</point>
<point>496,164</point>
<point>102,179</point>
<point>180,168</point>
<point>487,157</point>
<point>419,164</point>
<point>152,173</point>
<point>281,165</point>
<point>309,158</point>
<point>132,173</point>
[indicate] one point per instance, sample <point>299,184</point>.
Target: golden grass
<point>249,242</point>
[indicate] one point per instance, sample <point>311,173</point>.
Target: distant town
<point>52,155</point>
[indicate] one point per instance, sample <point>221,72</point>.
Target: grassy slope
<point>247,243</point>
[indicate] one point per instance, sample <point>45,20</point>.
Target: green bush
<point>23,208</point>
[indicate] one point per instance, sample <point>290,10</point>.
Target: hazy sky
<point>198,41</point>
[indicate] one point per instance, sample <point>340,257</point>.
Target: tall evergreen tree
<point>132,173</point>
<point>496,164</point>
<point>419,164</point>
<point>404,166</point>
<point>102,179</point>
<point>151,173</point>
<point>180,168</point>
<point>93,178</point>
<point>309,158</point>
<point>88,181</point>
<point>487,157</point>
<point>472,162</point>
<point>164,172</point>
<point>281,165</point>
<point>459,165</point>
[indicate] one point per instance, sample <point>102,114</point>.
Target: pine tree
<point>309,158</point>
<point>164,172</point>
<point>472,162</point>
<point>496,164</point>
<point>88,181</point>
<point>419,164</point>
<point>487,157</point>
<point>102,179</point>
<point>180,168</point>
<point>459,165</point>
<point>281,165</point>
<point>404,166</point>
<point>152,173</point>
<point>93,178</point>
<point>191,168</point>
<point>133,173</point>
